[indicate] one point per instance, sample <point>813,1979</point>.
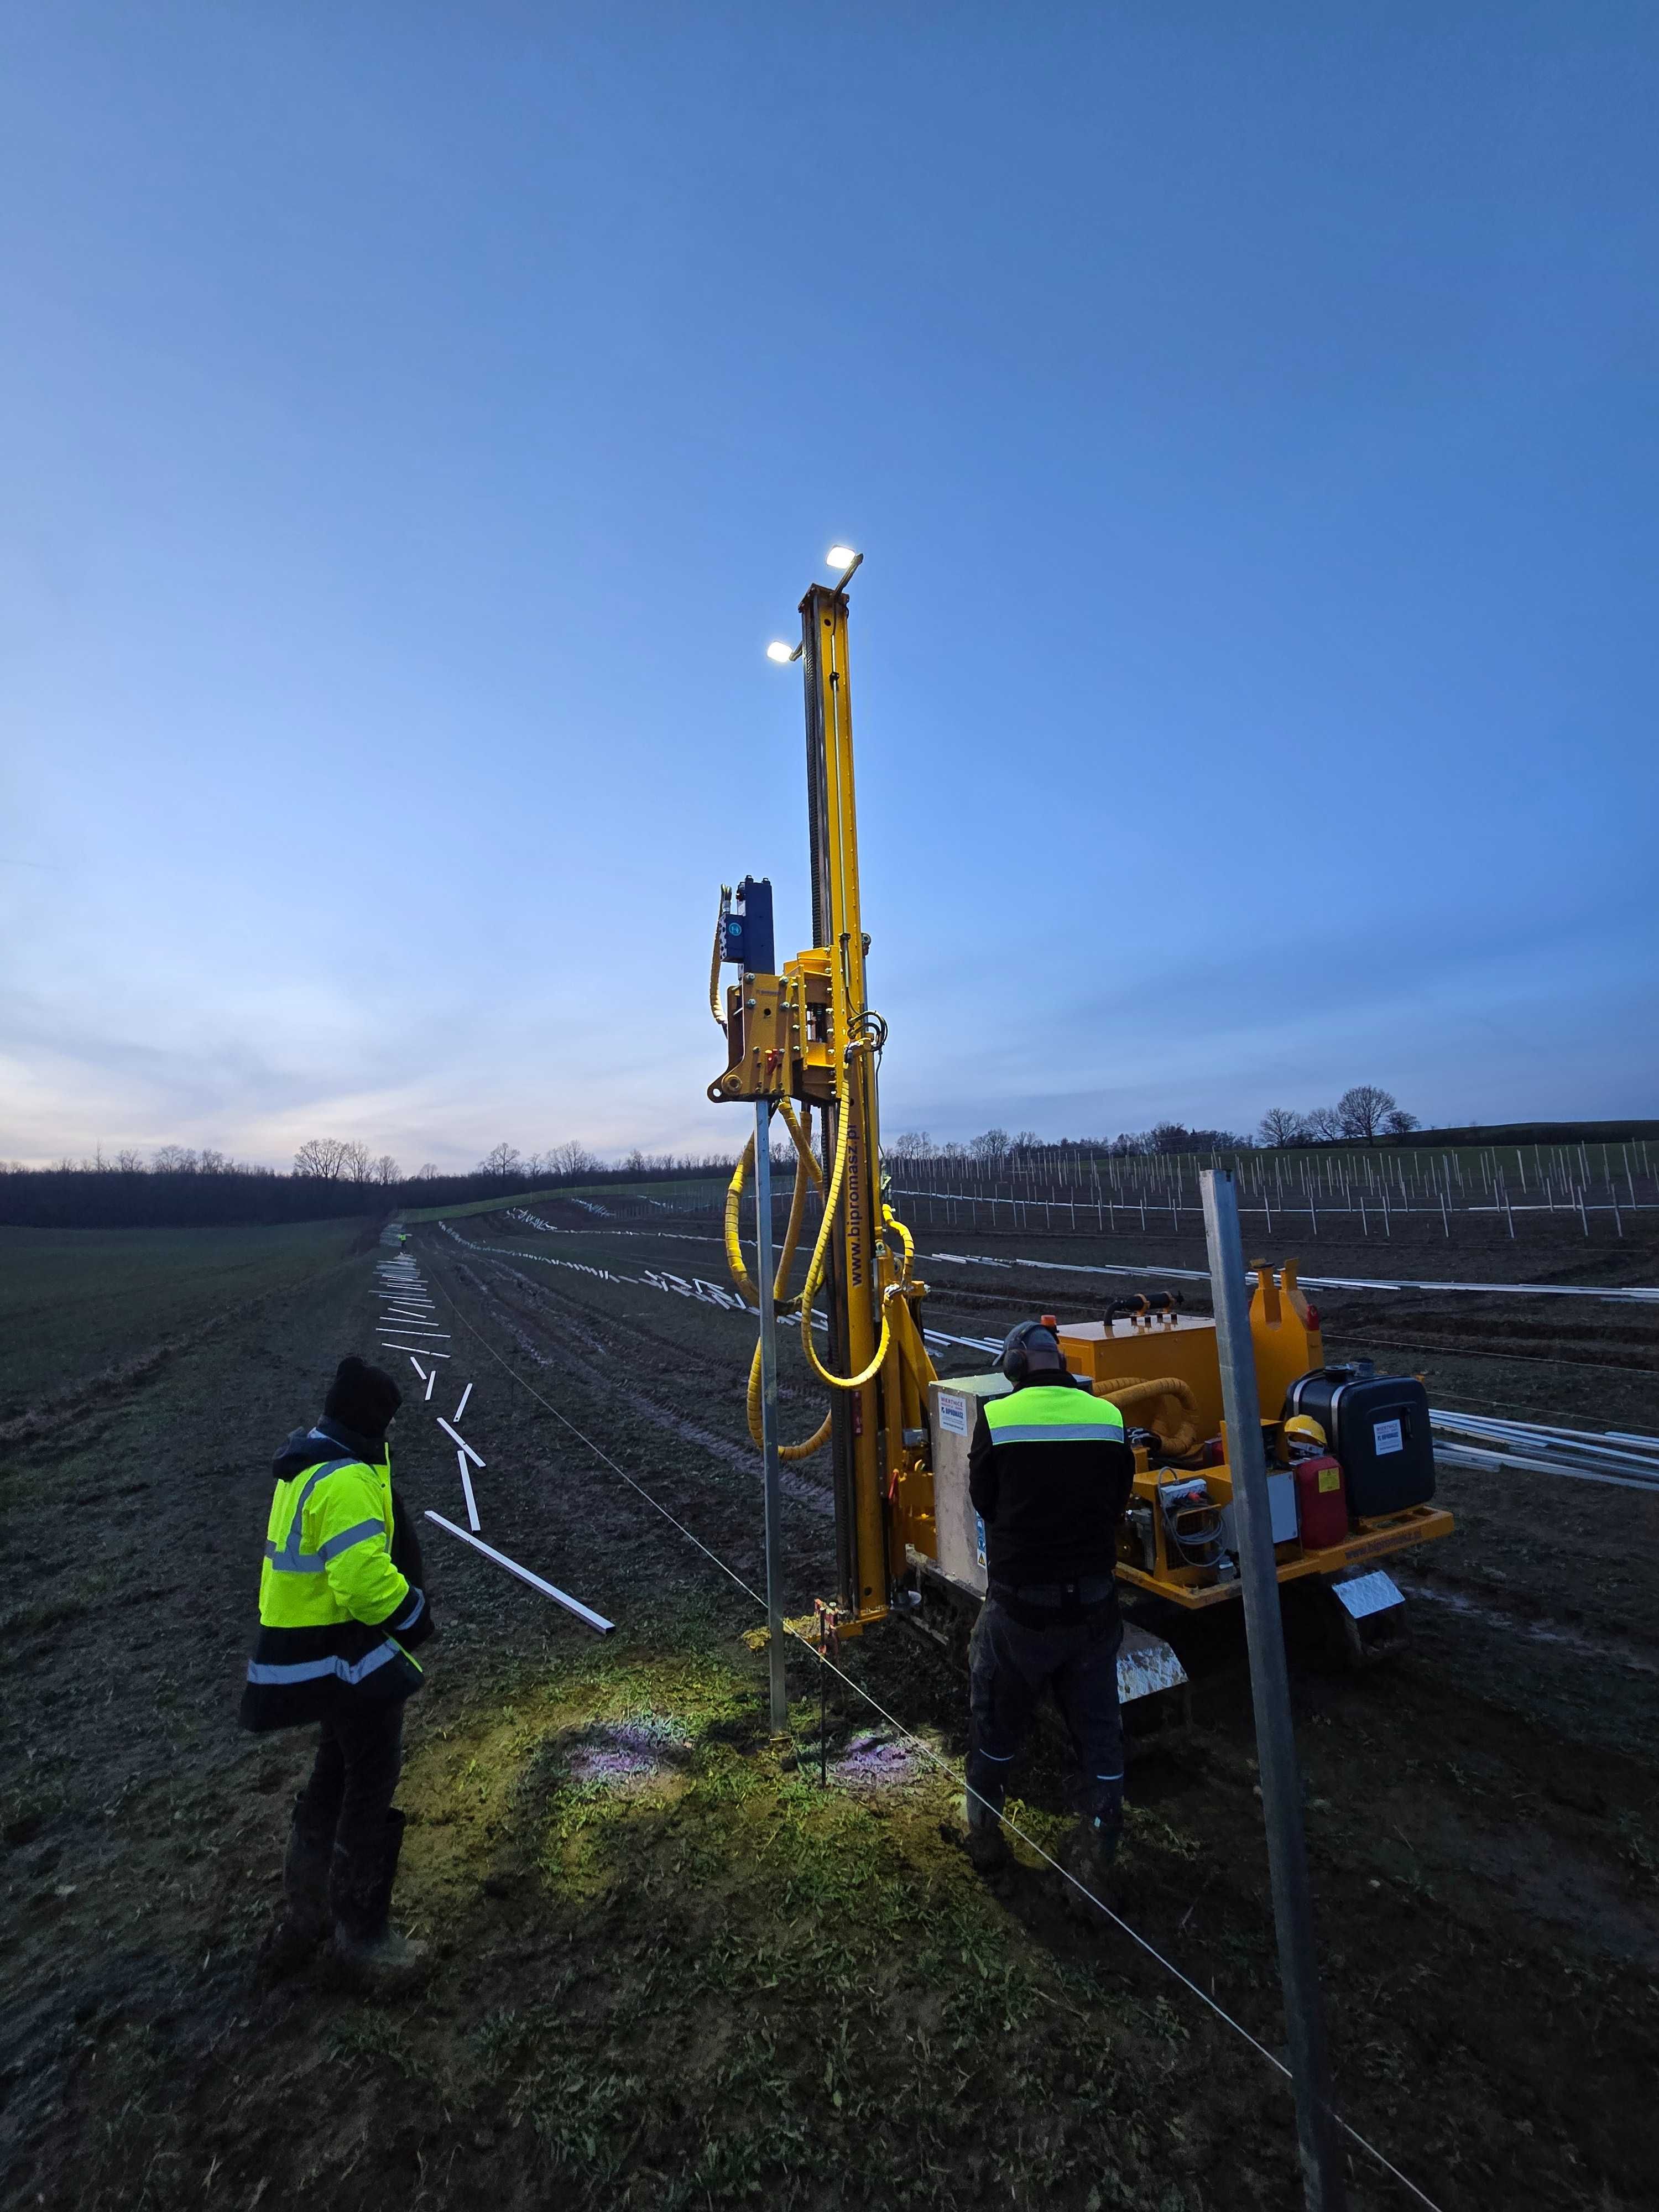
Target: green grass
<point>76,1302</point>
<point>410,1213</point>
<point>709,1189</point>
<point>757,1990</point>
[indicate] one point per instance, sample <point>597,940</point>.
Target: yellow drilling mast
<point>810,1036</point>
<point>805,1036</point>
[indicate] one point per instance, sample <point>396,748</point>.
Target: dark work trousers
<point>1010,1666</point>
<point>360,1755</point>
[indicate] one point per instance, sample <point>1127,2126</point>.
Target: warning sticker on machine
<point>1388,1437</point>
<point>953,1412</point>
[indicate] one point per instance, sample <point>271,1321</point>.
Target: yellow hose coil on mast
<point>803,1300</point>
<point>746,1283</point>
<point>814,1269</point>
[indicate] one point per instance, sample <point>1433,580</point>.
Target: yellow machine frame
<point>809,1037</point>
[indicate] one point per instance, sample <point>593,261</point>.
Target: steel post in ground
<point>771,1470</point>
<point>1323,2182</point>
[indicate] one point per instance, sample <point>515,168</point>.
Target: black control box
<point>1378,1427</point>
<point>746,927</point>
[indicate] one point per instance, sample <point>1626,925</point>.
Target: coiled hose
<point>745,1282</point>
<point>1131,1390</point>
<point>803,1301</point>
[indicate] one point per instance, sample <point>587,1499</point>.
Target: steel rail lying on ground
<point>585,1613</point>
<point>1486,1440</point>
<point>1496,1461</point>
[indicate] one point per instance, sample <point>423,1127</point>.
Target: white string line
<point>944,1765</point>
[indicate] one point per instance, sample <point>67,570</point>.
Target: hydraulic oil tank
<point>1378,1427</point>
<point>1322,1503</point>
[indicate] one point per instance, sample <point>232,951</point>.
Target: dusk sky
<point>417,420</point>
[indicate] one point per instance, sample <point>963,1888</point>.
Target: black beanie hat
<point>364,1398</point>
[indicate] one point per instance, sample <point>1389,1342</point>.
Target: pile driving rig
<point>805,1039</point>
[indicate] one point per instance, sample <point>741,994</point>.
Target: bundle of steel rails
<point>1481,1440</point>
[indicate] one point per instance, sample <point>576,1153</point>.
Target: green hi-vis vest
<point>330,1600</point>
<point>1053,1414</point>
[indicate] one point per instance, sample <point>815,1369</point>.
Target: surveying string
<point>929,1753</point>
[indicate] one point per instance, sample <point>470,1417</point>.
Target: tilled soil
<point>669,1968</point>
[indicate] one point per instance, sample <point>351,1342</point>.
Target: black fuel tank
<point>1378,1427</point>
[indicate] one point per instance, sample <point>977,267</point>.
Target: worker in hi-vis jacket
<point>342,1606</point>
<point>1049,1475</point>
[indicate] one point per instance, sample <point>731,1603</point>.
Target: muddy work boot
<point>988,1847</point>
<point>367,1950</point>
<point>293,1938</point>
<point>1087,1855</point>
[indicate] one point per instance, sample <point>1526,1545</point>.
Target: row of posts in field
<point>1054,1186</point>
<point>1060,1185</point>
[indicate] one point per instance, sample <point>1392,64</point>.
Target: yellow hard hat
<point>1304,1430</point>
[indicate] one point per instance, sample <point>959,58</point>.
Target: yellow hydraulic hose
<point>803,1300</point>
<point>746,1283</point>
<point>1131,1390</point>
<point>815,1275</point>
<point>815,1442</point>
<point>801,1144</point>
<point>734,1259</point>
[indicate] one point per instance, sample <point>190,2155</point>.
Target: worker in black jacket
<point>1049,1475</point>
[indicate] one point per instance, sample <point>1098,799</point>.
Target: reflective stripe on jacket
<point>1049,1475</point>
<point>336,1615</point>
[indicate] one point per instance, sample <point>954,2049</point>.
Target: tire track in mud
<point>566,1332</point>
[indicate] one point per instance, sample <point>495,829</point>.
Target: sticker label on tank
<point>1388,1437</point>
<point>979,1541</point>
<point>1330,1479</point>
<point>953,1412</point>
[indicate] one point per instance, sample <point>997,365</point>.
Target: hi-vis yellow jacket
<point>336,1615</point>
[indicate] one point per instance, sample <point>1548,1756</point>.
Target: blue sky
<point>414,421</point>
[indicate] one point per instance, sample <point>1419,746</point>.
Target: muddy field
<point>673,1969</point>
<point>79,1308</point>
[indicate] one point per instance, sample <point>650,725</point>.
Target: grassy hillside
<point>704,1190</point>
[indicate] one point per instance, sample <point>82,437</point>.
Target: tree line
<point>1364,1112</point>
<point>179,1187</point>
<point>995,1148</point>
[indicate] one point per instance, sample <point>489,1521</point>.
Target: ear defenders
<point>1031,1336</point>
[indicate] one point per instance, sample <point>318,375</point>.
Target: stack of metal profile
<point>1480,1440</point>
